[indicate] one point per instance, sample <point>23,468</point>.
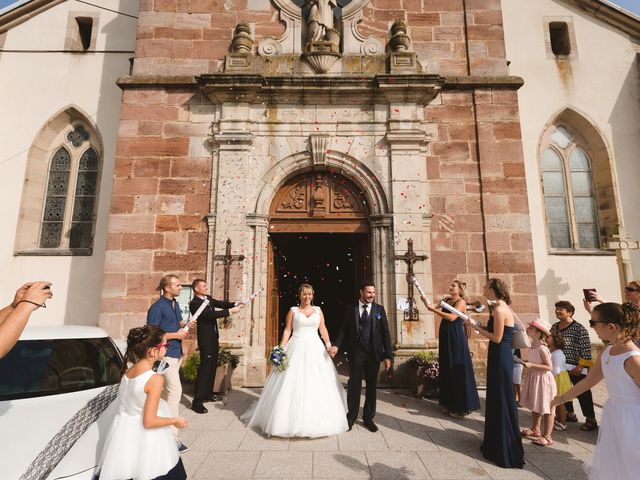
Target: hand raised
<point>36,292</point>
<point>181,334</point>
<point>234,310</point>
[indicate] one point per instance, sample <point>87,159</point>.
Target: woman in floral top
<point>577,351</point>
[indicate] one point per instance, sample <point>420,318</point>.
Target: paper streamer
<point>195,316</point>
<point>252,297</point>
<point>420,290</point>
<point>451,309</point>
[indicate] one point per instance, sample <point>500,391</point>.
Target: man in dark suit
<point>207,342</point>
<point>365,335</point>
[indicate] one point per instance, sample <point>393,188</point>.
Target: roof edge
<point>24,12</point>
<point>612,14</point>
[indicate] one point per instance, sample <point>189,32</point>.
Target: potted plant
<point>226,363</point>
<point>427,369</point>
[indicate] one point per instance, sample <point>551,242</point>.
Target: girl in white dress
<point>307,399</point>
<point>140,444</point>
<point>616,454</point>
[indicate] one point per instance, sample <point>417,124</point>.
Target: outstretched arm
<point>287,329</point>
<point>593,377</point>
<point>499,318</point>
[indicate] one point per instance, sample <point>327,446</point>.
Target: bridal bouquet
<point>278,358</point>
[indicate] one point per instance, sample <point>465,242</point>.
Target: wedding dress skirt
<point>307,399</point>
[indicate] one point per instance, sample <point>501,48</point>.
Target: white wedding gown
<point>307,399</point>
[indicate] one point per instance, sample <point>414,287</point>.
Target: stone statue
<point>320,21</point>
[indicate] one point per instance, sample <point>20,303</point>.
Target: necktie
<point>364,327</point>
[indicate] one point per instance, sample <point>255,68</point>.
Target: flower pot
<point>222,383</point>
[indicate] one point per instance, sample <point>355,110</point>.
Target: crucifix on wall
<point>227,259</point>
<point>410,258</point>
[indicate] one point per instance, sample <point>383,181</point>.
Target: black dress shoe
<point>372,427</point>
<point>350,425</point>
<point>198,407</point>
<point>214,398</point>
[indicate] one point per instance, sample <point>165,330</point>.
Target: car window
<point>35,368</point>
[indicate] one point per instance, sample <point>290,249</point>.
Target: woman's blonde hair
<point>305,286</point>
<point>462,287</point>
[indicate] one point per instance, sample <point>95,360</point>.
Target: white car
<point>49,375</point>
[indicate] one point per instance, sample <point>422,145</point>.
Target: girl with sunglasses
<point>140,443</point>
<point>616,454</point>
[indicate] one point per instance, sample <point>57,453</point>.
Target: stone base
<point>403,62</point>
<point>235,62</point>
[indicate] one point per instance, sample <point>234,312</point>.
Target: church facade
<point>264,144</point>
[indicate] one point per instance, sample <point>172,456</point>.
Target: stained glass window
<point>568,193</point>
<point>55,200</point>
<point>69,206</point>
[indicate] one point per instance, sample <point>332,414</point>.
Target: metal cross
<point>410,258</point>
<point>621,244</point>
<point>227,259</point>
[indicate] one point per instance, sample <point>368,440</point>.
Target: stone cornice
<point>165,81</point>
<point>418,88</point>
<point>24,12</point>
<point>510,82</point>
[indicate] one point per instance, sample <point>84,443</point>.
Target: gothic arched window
<point>568,188</point>
<point>60,192</point>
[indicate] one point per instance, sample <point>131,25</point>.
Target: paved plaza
<point>416,441</point>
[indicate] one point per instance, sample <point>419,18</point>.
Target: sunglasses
<point>629,289</point>
<point>592,323</point>
<point>160,345</point>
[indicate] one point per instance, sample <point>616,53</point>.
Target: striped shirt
<point>577,343</point>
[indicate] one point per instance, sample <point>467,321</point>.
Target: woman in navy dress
<point>458,392</point>
<point>502,440</point>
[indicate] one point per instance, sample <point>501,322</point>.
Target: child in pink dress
<point>539,386</point>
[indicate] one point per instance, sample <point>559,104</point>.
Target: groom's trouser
<point>362,364</point>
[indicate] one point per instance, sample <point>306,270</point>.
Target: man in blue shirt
<point>165,313</point>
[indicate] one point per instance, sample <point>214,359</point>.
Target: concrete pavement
<point>416,441</point>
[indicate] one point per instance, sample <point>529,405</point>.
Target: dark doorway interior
<point>334,263</point>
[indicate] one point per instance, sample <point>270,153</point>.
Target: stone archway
<point>319,233</point>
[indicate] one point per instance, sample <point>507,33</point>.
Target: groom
<point>365,335</point>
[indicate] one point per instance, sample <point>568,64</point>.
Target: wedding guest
<point>517,376</point>
<point>165,313</point>
<point>14,317</point>
<point>457,388</point>
<point>631,294</point>
<point>555,342</point>
<point>616,455</point>
<point>577,350</point>
<point>539,387</point>
<point>502,440</point>
<point>208,344</point>
<point>139,443</point>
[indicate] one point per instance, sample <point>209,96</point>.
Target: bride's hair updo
<point>305,286</point>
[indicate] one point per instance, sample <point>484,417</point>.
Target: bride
<point>307,399</point>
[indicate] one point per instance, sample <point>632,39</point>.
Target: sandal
<point>528,432</point>
<point>571,417</point>
<point>559,427</point>
<point>543,441</point>
<point>589,426</point>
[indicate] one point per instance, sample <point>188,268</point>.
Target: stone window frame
<point>73,38</point>
<point>49,140</point>
<point>603,178</point>
<point>546,21</point>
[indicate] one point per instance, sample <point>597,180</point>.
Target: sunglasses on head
<point>631,289</point>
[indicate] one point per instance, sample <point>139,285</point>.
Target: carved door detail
<point>321,202</point>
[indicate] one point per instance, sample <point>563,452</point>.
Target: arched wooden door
<point>318,233</point>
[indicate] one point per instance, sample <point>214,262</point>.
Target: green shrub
<point>225,356</point>
<point>424,358</point>
<point>190,366</point>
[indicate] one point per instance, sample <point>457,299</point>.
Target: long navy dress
<point>456,383</point>
<point>502,439</point>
